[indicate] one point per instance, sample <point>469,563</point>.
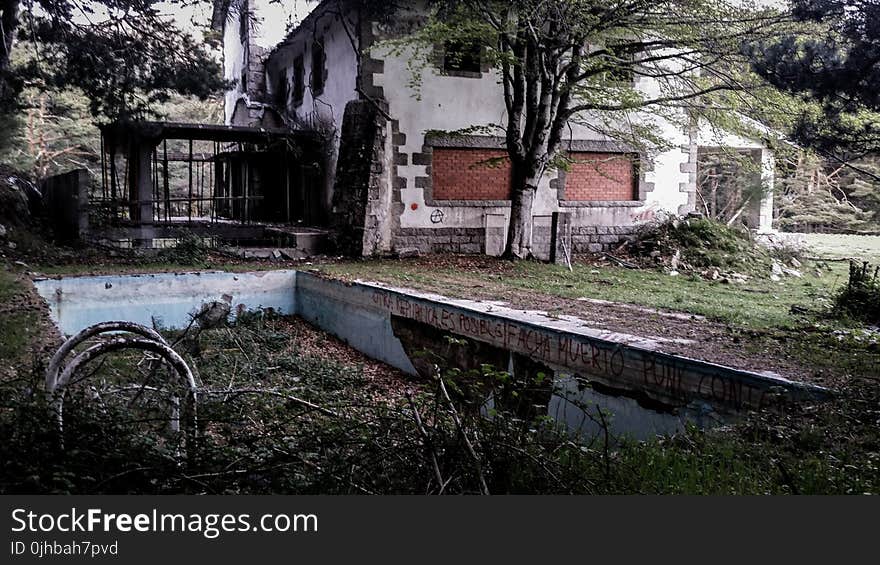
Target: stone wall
<point>584,239</point>
<point>596,239</point>
<point>360,179</point>
<point>441,240</point>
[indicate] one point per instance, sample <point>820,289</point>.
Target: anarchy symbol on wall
<point>437,216</point>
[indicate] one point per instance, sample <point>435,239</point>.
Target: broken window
<point>282,91</point>
<point>318,67</point>
<point>462,57</point>
<point>298,80</point>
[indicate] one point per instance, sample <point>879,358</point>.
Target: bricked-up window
<point>299,86</point>
<point>318,67</point>
<point>461,57</point>
<point>470,174</point>
<point>601,177</point>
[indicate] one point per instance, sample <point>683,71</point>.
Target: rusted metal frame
<point>167,186</point>
<point>189,206</point>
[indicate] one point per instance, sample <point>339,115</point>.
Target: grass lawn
<point>862,247</point>
<point>147,265</point>
<point>9,286</point>
<point>756,304</point>
<point>18,324</point>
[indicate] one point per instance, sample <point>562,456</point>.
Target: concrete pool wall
<point>163,299</point>
<point>650,391</point>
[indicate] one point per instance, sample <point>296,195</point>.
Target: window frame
<point>299,85</point>
<point>318,62</point>
<point>478,58</point>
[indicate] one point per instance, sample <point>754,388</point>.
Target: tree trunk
<point>8,27</point>
<point>519,232</point>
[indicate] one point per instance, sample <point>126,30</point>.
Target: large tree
<point>125,55</point>
<point>566,61</point>
<point>832,59</point>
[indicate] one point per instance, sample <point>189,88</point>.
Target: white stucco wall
<point>451,103</point>
<point>326,109</point>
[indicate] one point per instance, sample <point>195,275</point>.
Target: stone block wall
<point>441,240</point>
<point>597,239</point>
<point>359,179</point>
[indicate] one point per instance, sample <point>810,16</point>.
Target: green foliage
<point>190,249</point>
<point>702,243</point>
<point>53,130</point>
<point>278,418</point>
<point>812,194</point>
<point>828,57</point>
<point>52,134</point>
<point>126,58</point>
<point>860,298</point>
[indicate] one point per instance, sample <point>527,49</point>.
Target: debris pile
<point>709,249</point>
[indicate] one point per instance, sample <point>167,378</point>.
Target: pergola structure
<point>161,174</point>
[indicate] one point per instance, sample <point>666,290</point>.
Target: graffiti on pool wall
<point>676,380</point>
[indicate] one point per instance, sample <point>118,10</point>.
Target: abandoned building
<point>329,147</point>
<point>393,180</point>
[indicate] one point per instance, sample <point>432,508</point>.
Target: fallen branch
<point>270,392</point>
<point>619,262</point>
<point>429,445</point>
<point>484,488</point>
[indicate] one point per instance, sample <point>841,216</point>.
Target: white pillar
<point>768,174</point>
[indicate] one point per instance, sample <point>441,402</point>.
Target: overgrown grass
<point>17,328</point>
<point>9,285</point>
<point>700,243</point>
<point>860,298</point>
<point>318,428</point>
<point>757,304</point>
<point>17,331</point>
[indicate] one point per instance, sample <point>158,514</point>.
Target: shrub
<point>190,250</point>
<point>702,243</point>
<point>860,298</point>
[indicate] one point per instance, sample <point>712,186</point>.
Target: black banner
<point>291,529</point>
